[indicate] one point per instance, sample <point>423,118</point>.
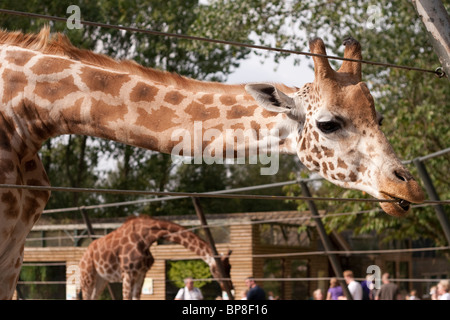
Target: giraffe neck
<point>154,230</point>
<point>136,106</point>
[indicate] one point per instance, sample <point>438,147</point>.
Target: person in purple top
<point>335,290</point>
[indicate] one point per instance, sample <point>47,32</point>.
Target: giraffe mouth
<point>398,208</point>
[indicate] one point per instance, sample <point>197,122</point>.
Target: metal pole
<point>437,22</point>
<point>91,232</point>
<point>429,187</point>
<point>326,241</point>
<point>210,240</point>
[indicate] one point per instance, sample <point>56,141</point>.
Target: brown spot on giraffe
<point>11,205</point>
<point>316,135</point>
<point>341,164</point>
<point>103,113</point>
<point>228,100</point>
<point>199,112</point>
<point>328,152</point>
<point>14,84</point>
<point>111,83</point>
<point>19,58</point>
<point>362,169</point>
<point>238,111</point>
<point>156,120</point>
<point>352,176</point>
<point>50,65</point>
<point>56,90</point>
<point>30,165</point>
<point>143,92</point>
<point>5,138</point>
<point>303,145</point>
<point>324,168</point>
<point>268,114</point>
<point>174,97</point>
<point>207,98</point>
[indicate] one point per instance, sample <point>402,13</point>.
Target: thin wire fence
<point>437,72</point>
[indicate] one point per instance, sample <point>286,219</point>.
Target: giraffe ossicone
<point>49,88</point>
<point>124,256</point>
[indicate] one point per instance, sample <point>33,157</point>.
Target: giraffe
<point>48,88</point>
<point>124,256</point>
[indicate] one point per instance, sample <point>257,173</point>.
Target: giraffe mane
<point>59,44</point>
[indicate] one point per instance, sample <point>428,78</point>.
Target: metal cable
<point>224,42</point>
<point>197,195</point>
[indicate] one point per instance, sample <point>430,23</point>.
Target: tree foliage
<point>195,269</point>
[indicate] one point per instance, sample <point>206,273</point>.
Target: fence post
<point>91,232</point>
<point>437,23</point>
<point>210,240</point>
<point>432,193</point>
<point>326,241</point>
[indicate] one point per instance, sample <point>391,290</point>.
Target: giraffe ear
<point>270,98</point>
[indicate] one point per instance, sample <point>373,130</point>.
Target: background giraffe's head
<point>338,130</point>
<point>227,269</point>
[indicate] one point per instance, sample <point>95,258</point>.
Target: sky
<point>251,70</point>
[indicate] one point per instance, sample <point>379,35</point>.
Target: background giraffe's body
<point>124,255</point>
<point>49,88</point>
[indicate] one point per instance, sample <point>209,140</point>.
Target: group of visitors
<point>358,291</point>
<point>367,291</point>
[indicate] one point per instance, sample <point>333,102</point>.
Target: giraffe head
<point>338,133</point>
<point>225,259</point>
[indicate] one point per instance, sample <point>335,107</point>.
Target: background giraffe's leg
<point>100,285</point>
<point>137,287</point>
<point>87,284</point>
<point>127,284</point>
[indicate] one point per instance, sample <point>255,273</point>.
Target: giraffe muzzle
<point>401,205</point>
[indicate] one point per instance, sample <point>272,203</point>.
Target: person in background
<point>255,292</point>
<point>335,290</point>
<point>317,294</point>
<point>388,290</point>
<point>443,290</point>
<point>368,288</point>
<point>433,293</point>
<point>412,295</point>
<point>353,286</point>
<point>189,292</point>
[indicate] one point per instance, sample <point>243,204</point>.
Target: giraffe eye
<point>328,126</point>
<point>380,122</point>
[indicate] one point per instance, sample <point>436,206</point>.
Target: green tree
<point>196,269</point>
